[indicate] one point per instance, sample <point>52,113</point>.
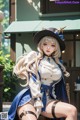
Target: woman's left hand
<point>67,74</point>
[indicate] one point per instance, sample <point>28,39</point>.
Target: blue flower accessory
<point>58,32</point>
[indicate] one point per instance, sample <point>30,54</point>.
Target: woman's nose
<point>48,47</point>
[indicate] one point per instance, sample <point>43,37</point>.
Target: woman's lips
<point>47,51</point>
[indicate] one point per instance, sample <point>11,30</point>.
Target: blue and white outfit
<point>48,85</point>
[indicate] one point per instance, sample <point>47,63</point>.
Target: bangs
<point>48,39</point>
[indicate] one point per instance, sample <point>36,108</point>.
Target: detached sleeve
<point>35,84</point>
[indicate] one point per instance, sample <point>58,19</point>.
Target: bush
<point>9,88</point>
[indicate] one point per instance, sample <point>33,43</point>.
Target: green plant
<point>9,88</point>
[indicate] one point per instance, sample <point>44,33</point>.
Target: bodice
<point>49,70</point>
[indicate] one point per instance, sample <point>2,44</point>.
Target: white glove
<point>67,74</point>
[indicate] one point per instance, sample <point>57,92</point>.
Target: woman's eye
<point>53,45</point>
<point>45,44</point>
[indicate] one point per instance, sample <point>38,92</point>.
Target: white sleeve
<point>35,84</point>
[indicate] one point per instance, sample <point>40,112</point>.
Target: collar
<point>48,57</point>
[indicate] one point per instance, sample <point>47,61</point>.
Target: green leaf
<point>6,89</point>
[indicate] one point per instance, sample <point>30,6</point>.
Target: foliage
<point>4,7</point>
<point>9,79</point>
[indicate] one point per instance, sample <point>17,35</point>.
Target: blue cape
<point>25,95</point>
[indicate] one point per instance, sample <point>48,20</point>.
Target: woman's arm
<point>35,85</point>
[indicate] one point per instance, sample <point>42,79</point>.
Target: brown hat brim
<point>39,35</point>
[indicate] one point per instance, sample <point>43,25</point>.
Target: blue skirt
<point>24,97</point>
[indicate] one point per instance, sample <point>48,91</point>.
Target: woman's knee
<point>65,110</point>
<point>25,110</point>
<point>72,111</point>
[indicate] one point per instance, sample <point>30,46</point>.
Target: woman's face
<point>48,47</point>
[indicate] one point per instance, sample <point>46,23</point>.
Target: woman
<point>45,91</point>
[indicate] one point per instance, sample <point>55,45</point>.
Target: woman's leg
<point>61,109</point>
<point>27,112</point>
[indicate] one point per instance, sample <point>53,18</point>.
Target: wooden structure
<point>74,96</point>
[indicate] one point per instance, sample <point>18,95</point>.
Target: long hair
<point>28,64</point>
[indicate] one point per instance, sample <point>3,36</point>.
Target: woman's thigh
<point>29,116</point>
<point>61,109</point>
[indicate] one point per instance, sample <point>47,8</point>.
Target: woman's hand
<point>67,74</point>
